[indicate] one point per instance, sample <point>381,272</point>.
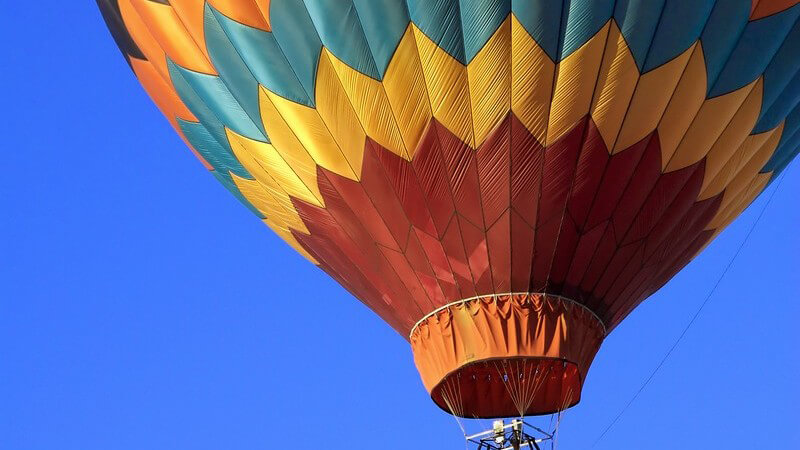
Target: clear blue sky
<point>142,307</point>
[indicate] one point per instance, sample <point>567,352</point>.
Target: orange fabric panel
<point>253,13</point>
<point>161,92</point>
<point>143,38</point>
<point>498,333</point>
<point>168,29</point>
<point>191,13</point>
<point>764,8</point>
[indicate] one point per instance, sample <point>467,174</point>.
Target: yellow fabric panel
<point>367,97</point>
<point>307,133</point>
<point>337,114</point>
<point>167,28</point>
<point>256,194</point>
<point>684,104</point>
<point>741,202</point>
<point>264,199</point>
<point>283,210</point>
<point>287,236</point>
<point>140,33</point>
<point>615,85</point>
<point>274,203</point>
<point>741,182</point>
<point>489,76</point>
<point>575,80</point>
<point>751,145</point>
<point>191,13</point>
<point>448,90</point>
<point>260,158</point>
<point>532,73</point>
<point>708,125</point>
<point>404,84</point>
<point>652,94</point>
<point>244,11</point>
<point>734,135</point>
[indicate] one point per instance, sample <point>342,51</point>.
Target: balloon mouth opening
<point>507,387</point>
<point>504,355</point>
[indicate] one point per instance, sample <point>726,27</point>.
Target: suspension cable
<point>696,314</point>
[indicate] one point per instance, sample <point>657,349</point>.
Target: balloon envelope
<point>501,181</point>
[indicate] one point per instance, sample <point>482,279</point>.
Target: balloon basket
<point>515,435</point>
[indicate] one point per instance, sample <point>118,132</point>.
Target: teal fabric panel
<point>584,20</point>
<point>724,27</point>
<point>339,29</point>
<point>785,155</point>
<point>638,21</point>
<point>781,83</point>
<point>757,45</point>
<point>196,104</point>
<point>218,155</point>
<point>212,96</point>
<point>440,20</point>
<point>384,22</point>
<point>298,40</point>
<point>680,25</point>
<point>543,21</point>
<point>226,181</point>
<point>781,107</point>
<point>265,60</point>
<point>479,21</point>
<point>232,70</point>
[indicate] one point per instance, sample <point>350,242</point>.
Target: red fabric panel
<point>644,178</point>
<point>620,173</point>
<point>381,192</point>
<point>454,248</point>
<point>543,253</point>
<point>357,200</point>
<point>499,241</point>
<point>621,258</point>
<point>339,256</point>
<point>344,227</point>
<point>418,259</point>
<point>581,258</point>
<point>527,158</point>
<point>590,172</point>
<point>494,172</point>
<point>437,258</point>
<point>477,255</point>
<point>462,171</point>
<point>682,206</point>
<point>412,282</point>
<point>565,249</point>
<point>560,160</point>
<point>403,177</point>
<point>625,276</point>
<point>660,199</point>
<point>432,177</point>
<point>602,256</point>
<point>521,253</point>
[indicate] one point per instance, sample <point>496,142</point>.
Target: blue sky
<point>143,307</point>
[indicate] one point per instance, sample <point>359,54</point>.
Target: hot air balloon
<point>502,181</point>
